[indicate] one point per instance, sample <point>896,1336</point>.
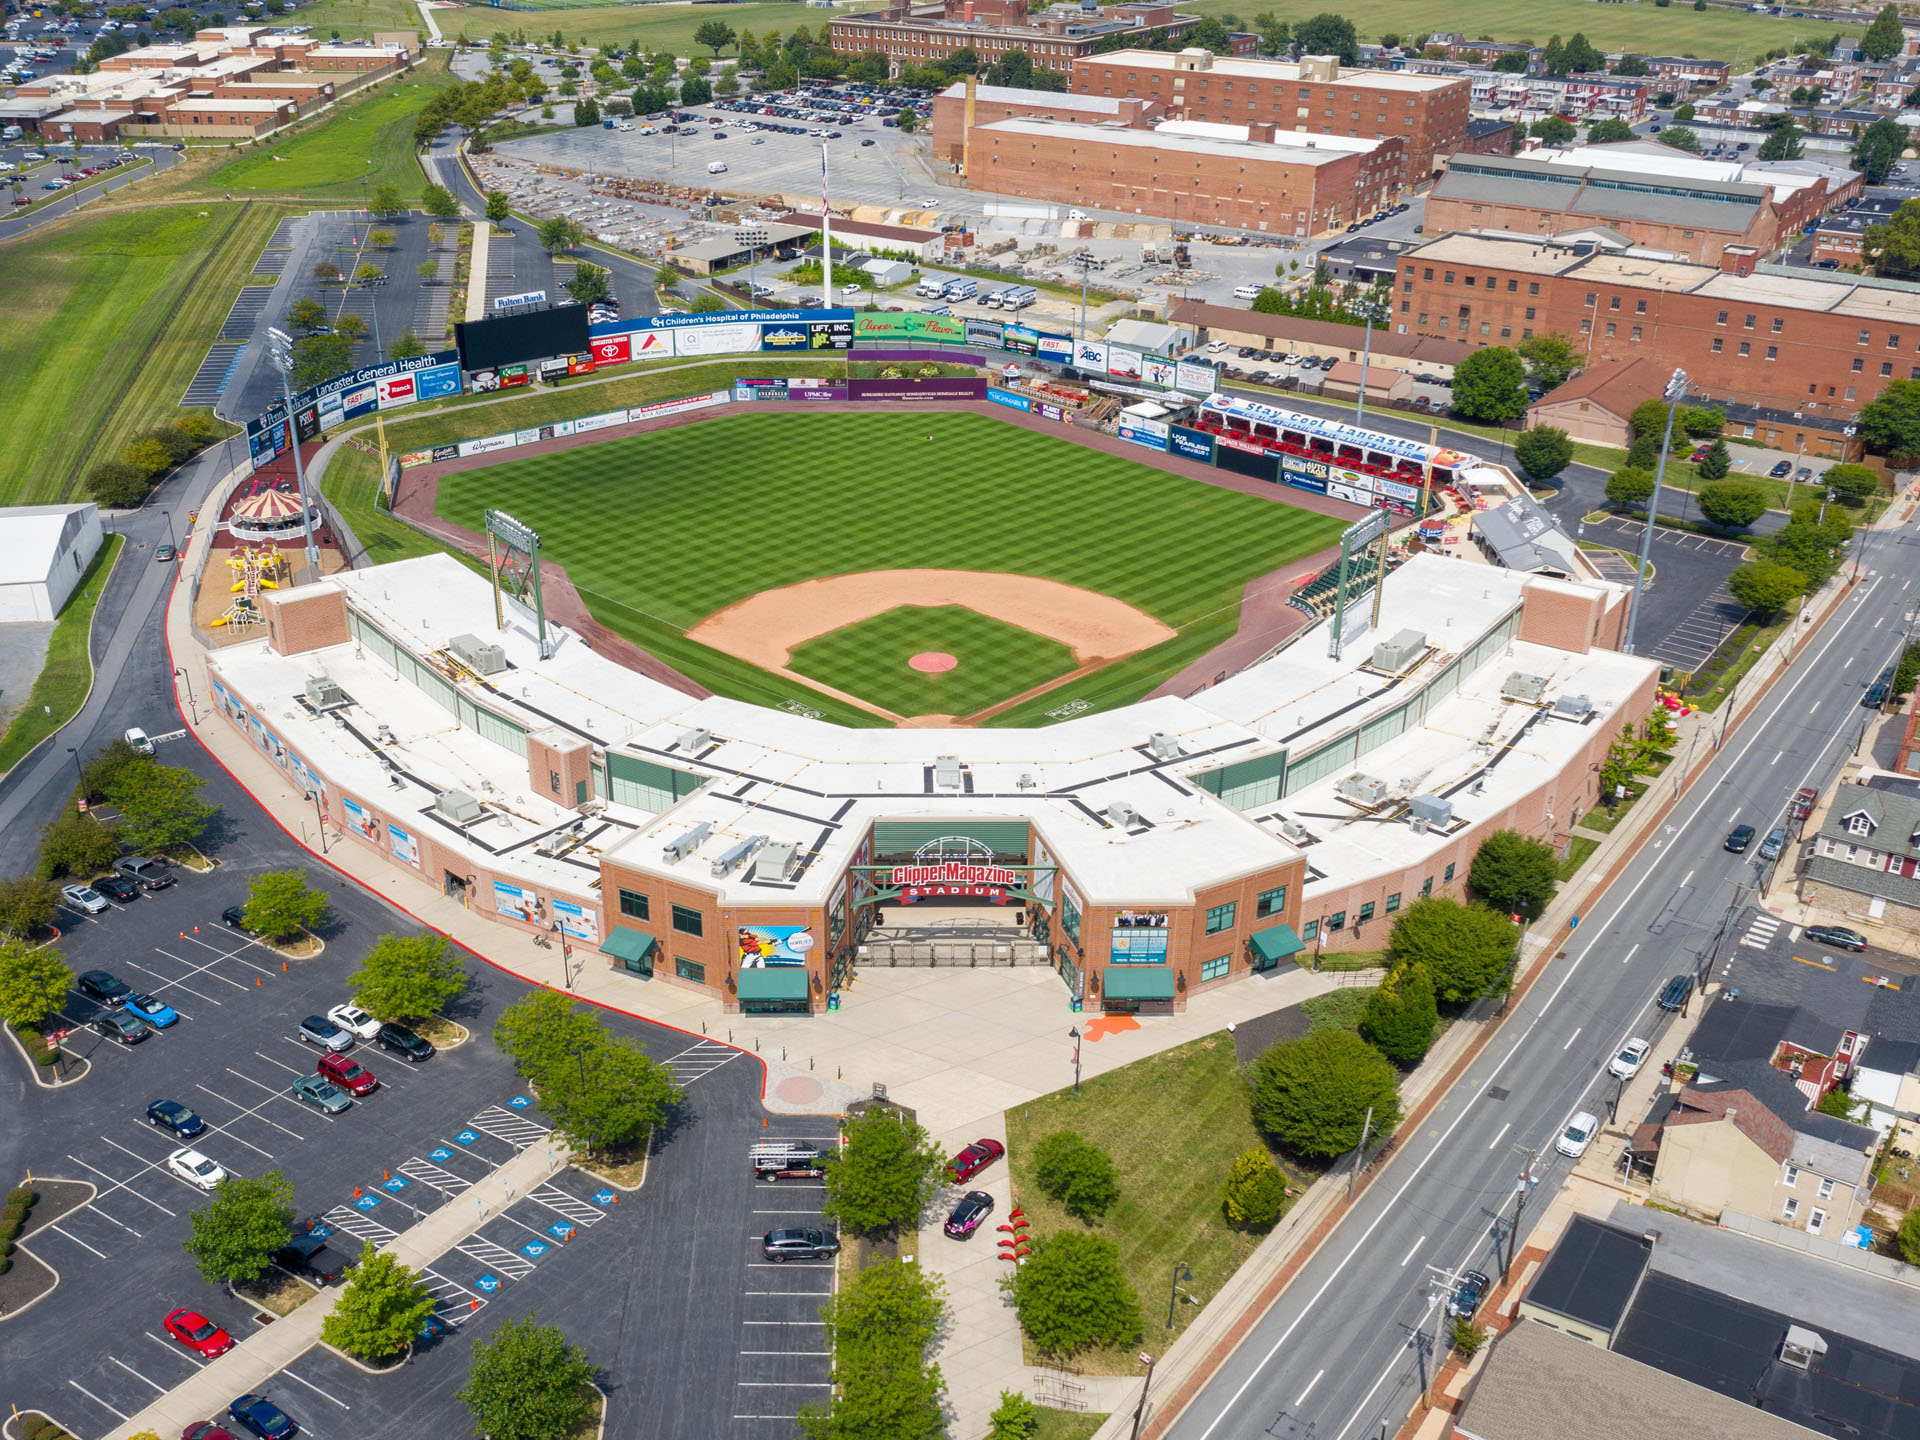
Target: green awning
<point>630,947</point>
<point>774,982</point>
<point>1139,982</point>
<point>1276,943</point>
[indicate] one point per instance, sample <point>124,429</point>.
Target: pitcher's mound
<point>932,662</point>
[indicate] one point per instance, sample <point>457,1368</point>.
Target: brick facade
<point>992,103</point>
<point>992,28</point>
<point>310,618</point>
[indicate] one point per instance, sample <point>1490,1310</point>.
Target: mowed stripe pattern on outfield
<point>682,522</point>
<point>869,659</point>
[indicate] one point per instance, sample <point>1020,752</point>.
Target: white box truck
<point>931,287</point>
<point>1018,298</point>
<point>961,290</point>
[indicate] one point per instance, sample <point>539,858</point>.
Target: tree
<point>1328,34</point>
<point>351,326</point>
<point>1071,1295</point>
<point>1884,36</point>
<point>1893,248</point>
<point>1076,1173</point>
<point>1610,131</point>
<point>716,35</point>
<point>27,904</point>
<point>880,1327</point>
<point>1467,950</point>
<point>1579,57</point>
<point>527,1383</point>
<point>406,345</point>
<point>306,315</point>
<point>380,1310</point>
<point>1209,34</point>
<point>408,977</point>
<point>33,983</point>
<point>590,283</point>
<point>1490,384</point>
<point>1514,874</point>
<point>781,74</point>
<point>235,1234</point>
<point>1014,1418</point>
<point>1715,464</point>
<point>1852,484</point>
<point>1632,67</point>
<point>280,904</point>
<point>438,202</point>
<point>386,202</point>
<point>885,1174</point>
<point>1511,62</point>
<point>1878,149</point>
<point>1256,1190</point>
<point>1731,504</point>
<point>1907,1238</point>
<point>1554,131</point>
<point>1783,144</point>
<point>1808,544</point>
<point>77,845</point>
<point>105,766</point>
<point>1629,486</point>
<point>1402,1015</point>
<point>327,273</point>
<point>1275,34</point>
<point>117,485</point>
<point>1550,358</point>
<point>559,233</point>
<point>708,303</point>
<point>1680,138</point>
<point>695,91</point>
<point>1765,587</point>
<point>1683,112</point>
<point>160,805</point>
<point>610,1098</point>
<point>1313,1094</point>
<point>498,206</point>
<point>586,111</point>
<point>1890,422</point>
<point>1543,451</point>
<point>321,357</point>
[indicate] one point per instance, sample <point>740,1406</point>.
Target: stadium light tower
<point>280,346</point>
<point>1676,391</point>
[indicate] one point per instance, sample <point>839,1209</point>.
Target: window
<point>1426,887</point>
<point>1310,930</point>
<point>1778,324</point>
<point>1530,312</point>
<point>1393,902</point>
<point>1447,879</point>
<point>1338,920</point>
<point>1792,1178</point>
<point>1533,287</point>
<point>1591,297</point>
<point>1826,1187</point>
<point>1610,329</point>
<point>686,921</point>
<point>1366,912</point>
<point>1216,968</point>
<point>1747,324</point>
<point>1613,302</point>
<point>1745,348</point>
<point>1512,286</point>
<point>1886,368</point>
<point>1856,365</point>
<point>1863,338</point>
<point>1816,1220</point>
<point>1220,917</point>
<point>1716,344</point>
<point>1634,334</point>
<point>1429,274</point>
<point>633,903</point>
<point>1789,1210</point>
<point>1639,307</point>
<point>1449,279</point>
<point>689,969</point>
<point>1471,282</point>
<point>1270,902</point>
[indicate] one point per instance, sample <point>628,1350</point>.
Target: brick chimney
<point>1261,131</point>
<point>1739,259</point>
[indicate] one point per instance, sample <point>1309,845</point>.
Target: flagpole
<point>826,235</point>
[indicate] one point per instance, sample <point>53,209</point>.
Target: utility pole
<point>1360,1155</point>
<point>1446,1282</point>
<point>1370,309</point>
<point>1520,1188</point>
<point>1675,392</point>
<point>1140,1410</point>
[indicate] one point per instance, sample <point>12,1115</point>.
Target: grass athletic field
<point>659,531</point>
<point>870,658</point>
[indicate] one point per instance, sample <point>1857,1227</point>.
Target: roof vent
<point>1361,789</point>
<point>478,655</point>
<point>686,844</point>
<point>1294,831</point>
<point>1520,686</point>
<point>458,806</point>
<point>1432,809</point>
<point>1573,707</point>
<point>732,858</point>
<point>1123,815</point>
<point>694,741</point>
<point>1163,746</point>
<point>1800,1347</point>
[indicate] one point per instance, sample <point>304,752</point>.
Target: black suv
<point>308,1257</point>
<point>403,1042</point>
<point>1675,993</point>
<point>99,985</point>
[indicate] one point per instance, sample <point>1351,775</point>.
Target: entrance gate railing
<point>971,954</point>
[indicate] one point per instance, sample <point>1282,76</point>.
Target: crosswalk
<point>508,1125</point>
<point>1761,932</point>
<point>699,1060</point>
<point>358,1225</point>
<point>454,1302</point>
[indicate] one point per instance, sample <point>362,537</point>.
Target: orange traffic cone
<point>256,982</point>
<point>356,1192</point>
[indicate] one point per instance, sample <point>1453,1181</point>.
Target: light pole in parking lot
<point>1372,312</point>
<point>319,818</point>
<point>753,237</point>
<point>1675,392</point>
<point>187,679</point>
<point>1073,1034</point>
<point>280,348</point>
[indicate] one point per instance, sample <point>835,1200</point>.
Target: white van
<point>1247,292</point>
<point>716,167</point>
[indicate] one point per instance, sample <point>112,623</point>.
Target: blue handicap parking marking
<point>466,1137</point>
<point>533,1249</point>
<point>366,1202</point>
<point>488,1283</point>
<point>396,1184</point>
<point>604,1197</point>
<point>560,1230</point>
<point>519,1102</point>
<point>441,1154</point>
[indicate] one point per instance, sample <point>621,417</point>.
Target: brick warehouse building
<point>1000,102</point>
<point>1805,341</point>
<point>1427,114</point>
<point>909,35</point>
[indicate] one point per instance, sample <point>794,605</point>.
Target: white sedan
<point>354,1019</point>
<point>84,898</point>
<point>1627,1063</point>
<point>196,1169</point>
<point>1578,1135</point>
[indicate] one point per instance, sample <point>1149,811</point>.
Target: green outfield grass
<point>659,531</point>
<point>869,660</point>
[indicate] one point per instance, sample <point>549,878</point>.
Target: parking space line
<point>495,1257</point>
<point>273,1092</point>
<point>561,1203</point>
<point>505,1125</point>
<point>169,983</point>
<point>540,1235</point>
<point>291,1070</point>
<point>97,1400</point>
<point>222,1130</point>
<point>220,955</point>
<point>137,1375</point>
<point>193,969</point>
<point>120,1184</point>
<point>356,1224</point>
<point>432,1176</point>
<point>77,1240</point>
<point>317,1390</point>
<point>173,1349</point>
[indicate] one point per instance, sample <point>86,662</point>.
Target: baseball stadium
<point>757,689</point>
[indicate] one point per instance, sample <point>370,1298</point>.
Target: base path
<point>765,628</point>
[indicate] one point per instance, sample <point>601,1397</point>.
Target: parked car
<point>1739,838</point>
<point>972,1208</point>
<point>172,1116</point>
<point>196,1169</point>
<point>260,1417</point>
<point>1676,991</point>
<point>1627,1063</point>
<point>1775,842</point>
<point>1578,1135</point>
<point>352,1017</point>
<point>1838,936</point>
<point>197,1333</point>
<point>1782,470</point>
<point>349,1074</point>
<point>1467,1294</point>
<point>975,1158</point>
<point>318,1030</point>
<point>796,1243</point>
<point>164,552</point>
<point>84,898</point>
<point>404,1042</point>
<point>156,1013</point>
<point>118,887</point>
<point>99,985</point>
<point>119,1025</point>
<point>321,1093</point>
<point>136,737</point>
<point>147,874</point>
<point>307,1256</point>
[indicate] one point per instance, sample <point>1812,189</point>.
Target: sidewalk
<point>252,1364</point>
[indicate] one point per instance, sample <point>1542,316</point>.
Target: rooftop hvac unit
<point>1573,707</point>
<point>694,741</point>
<point>1163,746</point>
<point>946,772</point>
<point>1400,650</point>
<point>735,856</point>
<point>1432,809</point>
<point>1123,815</point>
<point>686,844</point>
<point>778,861</point>
<point>1361,789</point>
<point>1800,1347</point>
<point>561,841</point>
<point>324,693</point>
<point>479,656</point>
<point>458,806</point>
<point>1520,686</point>
<point>1295,831</point>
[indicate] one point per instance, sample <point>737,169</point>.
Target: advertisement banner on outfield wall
<point>656,345</point>
<point>1303,474</point>
<point>984,332</point>
<point>680,406</point>
<point>582,364</point>
<point>830,335</point>
<point>1133,434</point>
<point>1349,493</point>
<point>613,349</point>
<point>1123,364</point>
<point>396,390</point>
<point>487,444</point>
<point>446,452</point>
<point>416,457</point>
<point>717,340</point>
<point>1395,490</point>
<point>1007,398</point>
<point>917,389</point>
<point>306,422</point>
<point>1352,479</point>
<point>1054,347</point>
<point>600,422</point>
<point>1190,444</point>
<point>436,383</point>
<point>910,325</point>
<point>1050,411</point>
<point>1021,339</point>
<point>1091,355</point>
<point>785,337</point>
<point>1157,371</point>
<point>1196,379</point>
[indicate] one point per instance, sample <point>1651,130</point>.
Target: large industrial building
<point>910,35</point>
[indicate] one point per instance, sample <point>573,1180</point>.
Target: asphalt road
<point>1335,1351</point>
<point>67,201</point>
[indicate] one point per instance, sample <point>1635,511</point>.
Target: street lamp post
<point>167,515</point>
<point>1073,1034</point>
<point>1675,392</point>
<point>187,679</point>
<point>1180,1272</point>
<point>319,818</point>
<point>753,237</point>
<point>82,774</point>
<point>280,346</point>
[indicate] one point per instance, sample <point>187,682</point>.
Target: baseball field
<point>940,564</point>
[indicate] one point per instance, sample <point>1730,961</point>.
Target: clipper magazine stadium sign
<point>952,880</point>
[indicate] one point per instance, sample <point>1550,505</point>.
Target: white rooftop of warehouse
<point>819,785</point>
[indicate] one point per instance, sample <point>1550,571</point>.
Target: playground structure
<point>256,568</point>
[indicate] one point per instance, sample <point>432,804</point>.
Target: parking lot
<point>1686,611</point>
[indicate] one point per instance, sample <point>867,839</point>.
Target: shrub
<point>1077,1174</point>
<point>1467,1337</point>
<point>117,485</point>
<point>1402,1015</point>
<point>1256,1190</point>
<point>22,1195</point>
<point>1313,1094</point>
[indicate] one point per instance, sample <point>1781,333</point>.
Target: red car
<point>349,1074</point>
<point>206,1430</point>
<point>198,1333</point>
<point>972,1160</point>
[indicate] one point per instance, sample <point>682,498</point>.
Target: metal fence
<point>968,954</point>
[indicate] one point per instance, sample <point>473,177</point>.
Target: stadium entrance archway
<point>936,893</point>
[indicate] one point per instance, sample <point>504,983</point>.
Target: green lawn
<point>1578,849</point>
<point>67,676</point>
<point>1337,1009</point>
<point>662,530</point>
<point>869,659</point>
<point>1173,1123</point>
<point>653,27</point>
<point>1067,1425</point>
<point>106,318</point>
